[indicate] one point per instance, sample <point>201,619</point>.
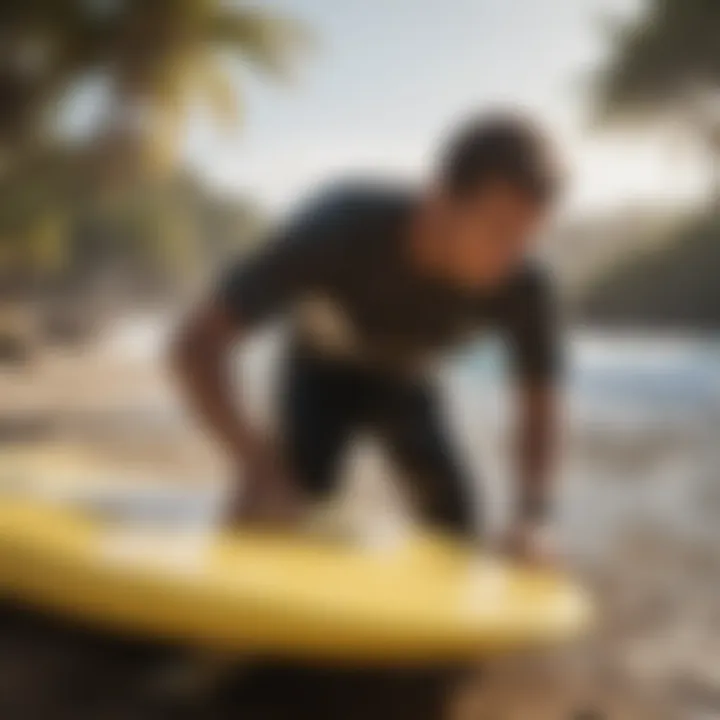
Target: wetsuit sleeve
<point>294,260</point>
<point>532,329</point>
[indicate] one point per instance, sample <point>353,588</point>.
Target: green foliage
<point>59,230</point>
<point>669,51</point>
<point>161,56</point>
<point>69,214</point>
<point>674,285</point>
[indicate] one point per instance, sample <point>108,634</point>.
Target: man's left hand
<point>532,543</point>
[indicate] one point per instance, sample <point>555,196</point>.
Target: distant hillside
<point>671,281</point>
<point>582,249</point>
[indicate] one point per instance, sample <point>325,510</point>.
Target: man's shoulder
<point>360,198</point>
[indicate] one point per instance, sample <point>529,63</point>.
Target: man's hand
<point>269,495</point>
<point>532,539</point>
<point>532,543</point>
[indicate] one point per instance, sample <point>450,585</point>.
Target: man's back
<point>343,270</point>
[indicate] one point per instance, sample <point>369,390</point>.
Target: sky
<point>388,77</point>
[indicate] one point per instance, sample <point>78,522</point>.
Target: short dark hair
<point>505,147</point>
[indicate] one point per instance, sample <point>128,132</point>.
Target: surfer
<point>378,283</point>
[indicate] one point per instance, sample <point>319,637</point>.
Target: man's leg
<point>411,424</point>
<point>319,410</point>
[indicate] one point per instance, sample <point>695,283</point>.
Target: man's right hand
<point>265,495</point>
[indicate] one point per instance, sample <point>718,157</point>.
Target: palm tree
<point>665,64</point>
<point>155,59</point>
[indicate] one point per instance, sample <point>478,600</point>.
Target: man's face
<point>490,233</point>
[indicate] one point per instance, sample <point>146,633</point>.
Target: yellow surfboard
<point>418,597</point>
<point>424,599</point>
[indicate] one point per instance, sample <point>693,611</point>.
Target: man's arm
<point>536,450</point>
<point>200,357</point>
<point>294,261</point>
<point>533,325</point>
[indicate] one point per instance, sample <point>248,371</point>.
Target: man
<point>379,281</point>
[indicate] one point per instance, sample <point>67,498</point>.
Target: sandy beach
<point>637,517</point>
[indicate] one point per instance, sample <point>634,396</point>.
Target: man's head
<point>497,182</point>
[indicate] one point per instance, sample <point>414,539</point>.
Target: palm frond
<point>657,58</point>
<point>217,88</point>
<point>269,42</point>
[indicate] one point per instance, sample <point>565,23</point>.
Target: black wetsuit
<point>366,326</point>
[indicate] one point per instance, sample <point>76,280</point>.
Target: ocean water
<point>640,440</point>
<point>639,449</point>
<point>662,373</point>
